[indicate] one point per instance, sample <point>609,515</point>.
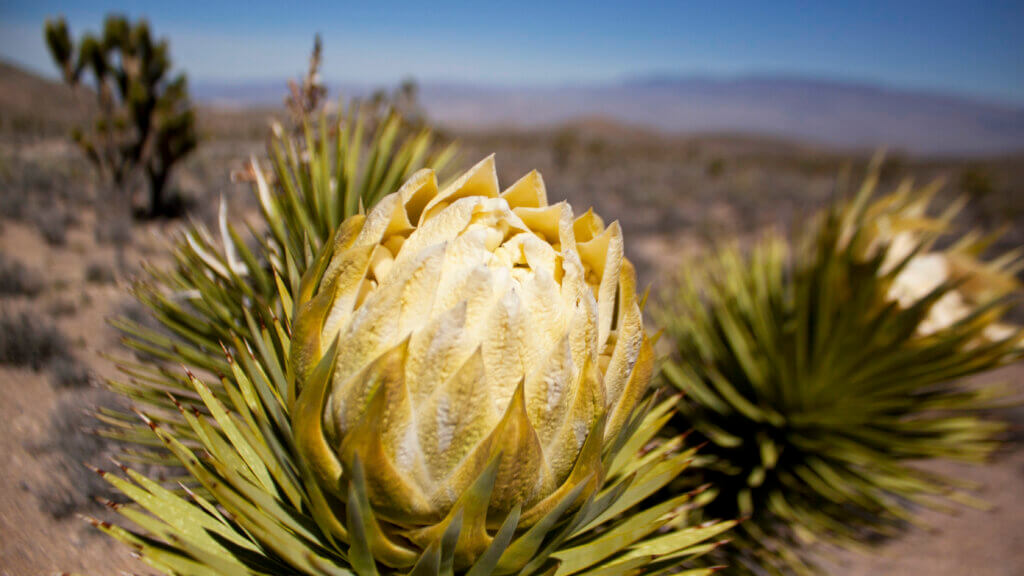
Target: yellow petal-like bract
<point>901,222</point>
<point>454,330</point>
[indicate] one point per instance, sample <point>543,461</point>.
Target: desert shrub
<point>113,231</point>
<point>893,167</point>
<point>977,182</point>
<point>68,372</point>
<point>63,306</point>
<point>597,148</point>
<point>565,141</point>
<point>28,340</point>
<point>11,204</point>
<point>99,273</point>
<point>71,440</point>
<point>31,188</point>
<point>715,168</point>
<point>53,226</point>
<point>17,280</point>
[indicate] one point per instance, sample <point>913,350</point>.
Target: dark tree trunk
<point>157,184</point>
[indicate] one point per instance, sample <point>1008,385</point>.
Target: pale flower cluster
<point>920,277</point>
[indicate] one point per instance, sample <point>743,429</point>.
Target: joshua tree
<point>145,123</point>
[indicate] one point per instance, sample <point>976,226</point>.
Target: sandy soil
<point>32,478</point>
<point>31,541</point>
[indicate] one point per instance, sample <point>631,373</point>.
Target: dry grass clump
<point>18,280</point>
<point>70,441</point>
<point>28,340</point>
<point>99,273</point>
<point>53,226</point>
<point>68,372</point>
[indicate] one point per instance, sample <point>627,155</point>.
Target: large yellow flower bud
<point>460,332</point>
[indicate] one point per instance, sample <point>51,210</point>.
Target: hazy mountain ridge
<point>838,113</point>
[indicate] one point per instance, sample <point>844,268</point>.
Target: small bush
<point>977,182</point>
<point>71,440</point>
<point>53,226</point>
<point>17,280</point>
<point>99,273</point>
<point>715,168</point>
<point>63,306</point>
<point>116,230</point>
<point>67,372</point>
<point>562,147</point>
<point>29,340</point>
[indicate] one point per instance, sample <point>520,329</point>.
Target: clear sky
<point>968,47</point>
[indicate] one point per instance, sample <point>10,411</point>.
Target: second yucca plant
<point>817,372</point>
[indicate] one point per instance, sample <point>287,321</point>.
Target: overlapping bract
<point>819,372</point>
<point>292,464</point>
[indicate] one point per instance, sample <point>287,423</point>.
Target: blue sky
<point>974,48</point>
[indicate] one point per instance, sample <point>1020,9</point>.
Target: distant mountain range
<point>837,114</point>
<point>834,113</point>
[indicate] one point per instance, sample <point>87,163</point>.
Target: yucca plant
<point>820,371</point>
<point>414,380</point>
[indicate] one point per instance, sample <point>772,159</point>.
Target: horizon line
<point>617,80</point>
<point>636,78</point>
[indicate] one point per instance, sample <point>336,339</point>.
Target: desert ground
<point>59,282</point>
